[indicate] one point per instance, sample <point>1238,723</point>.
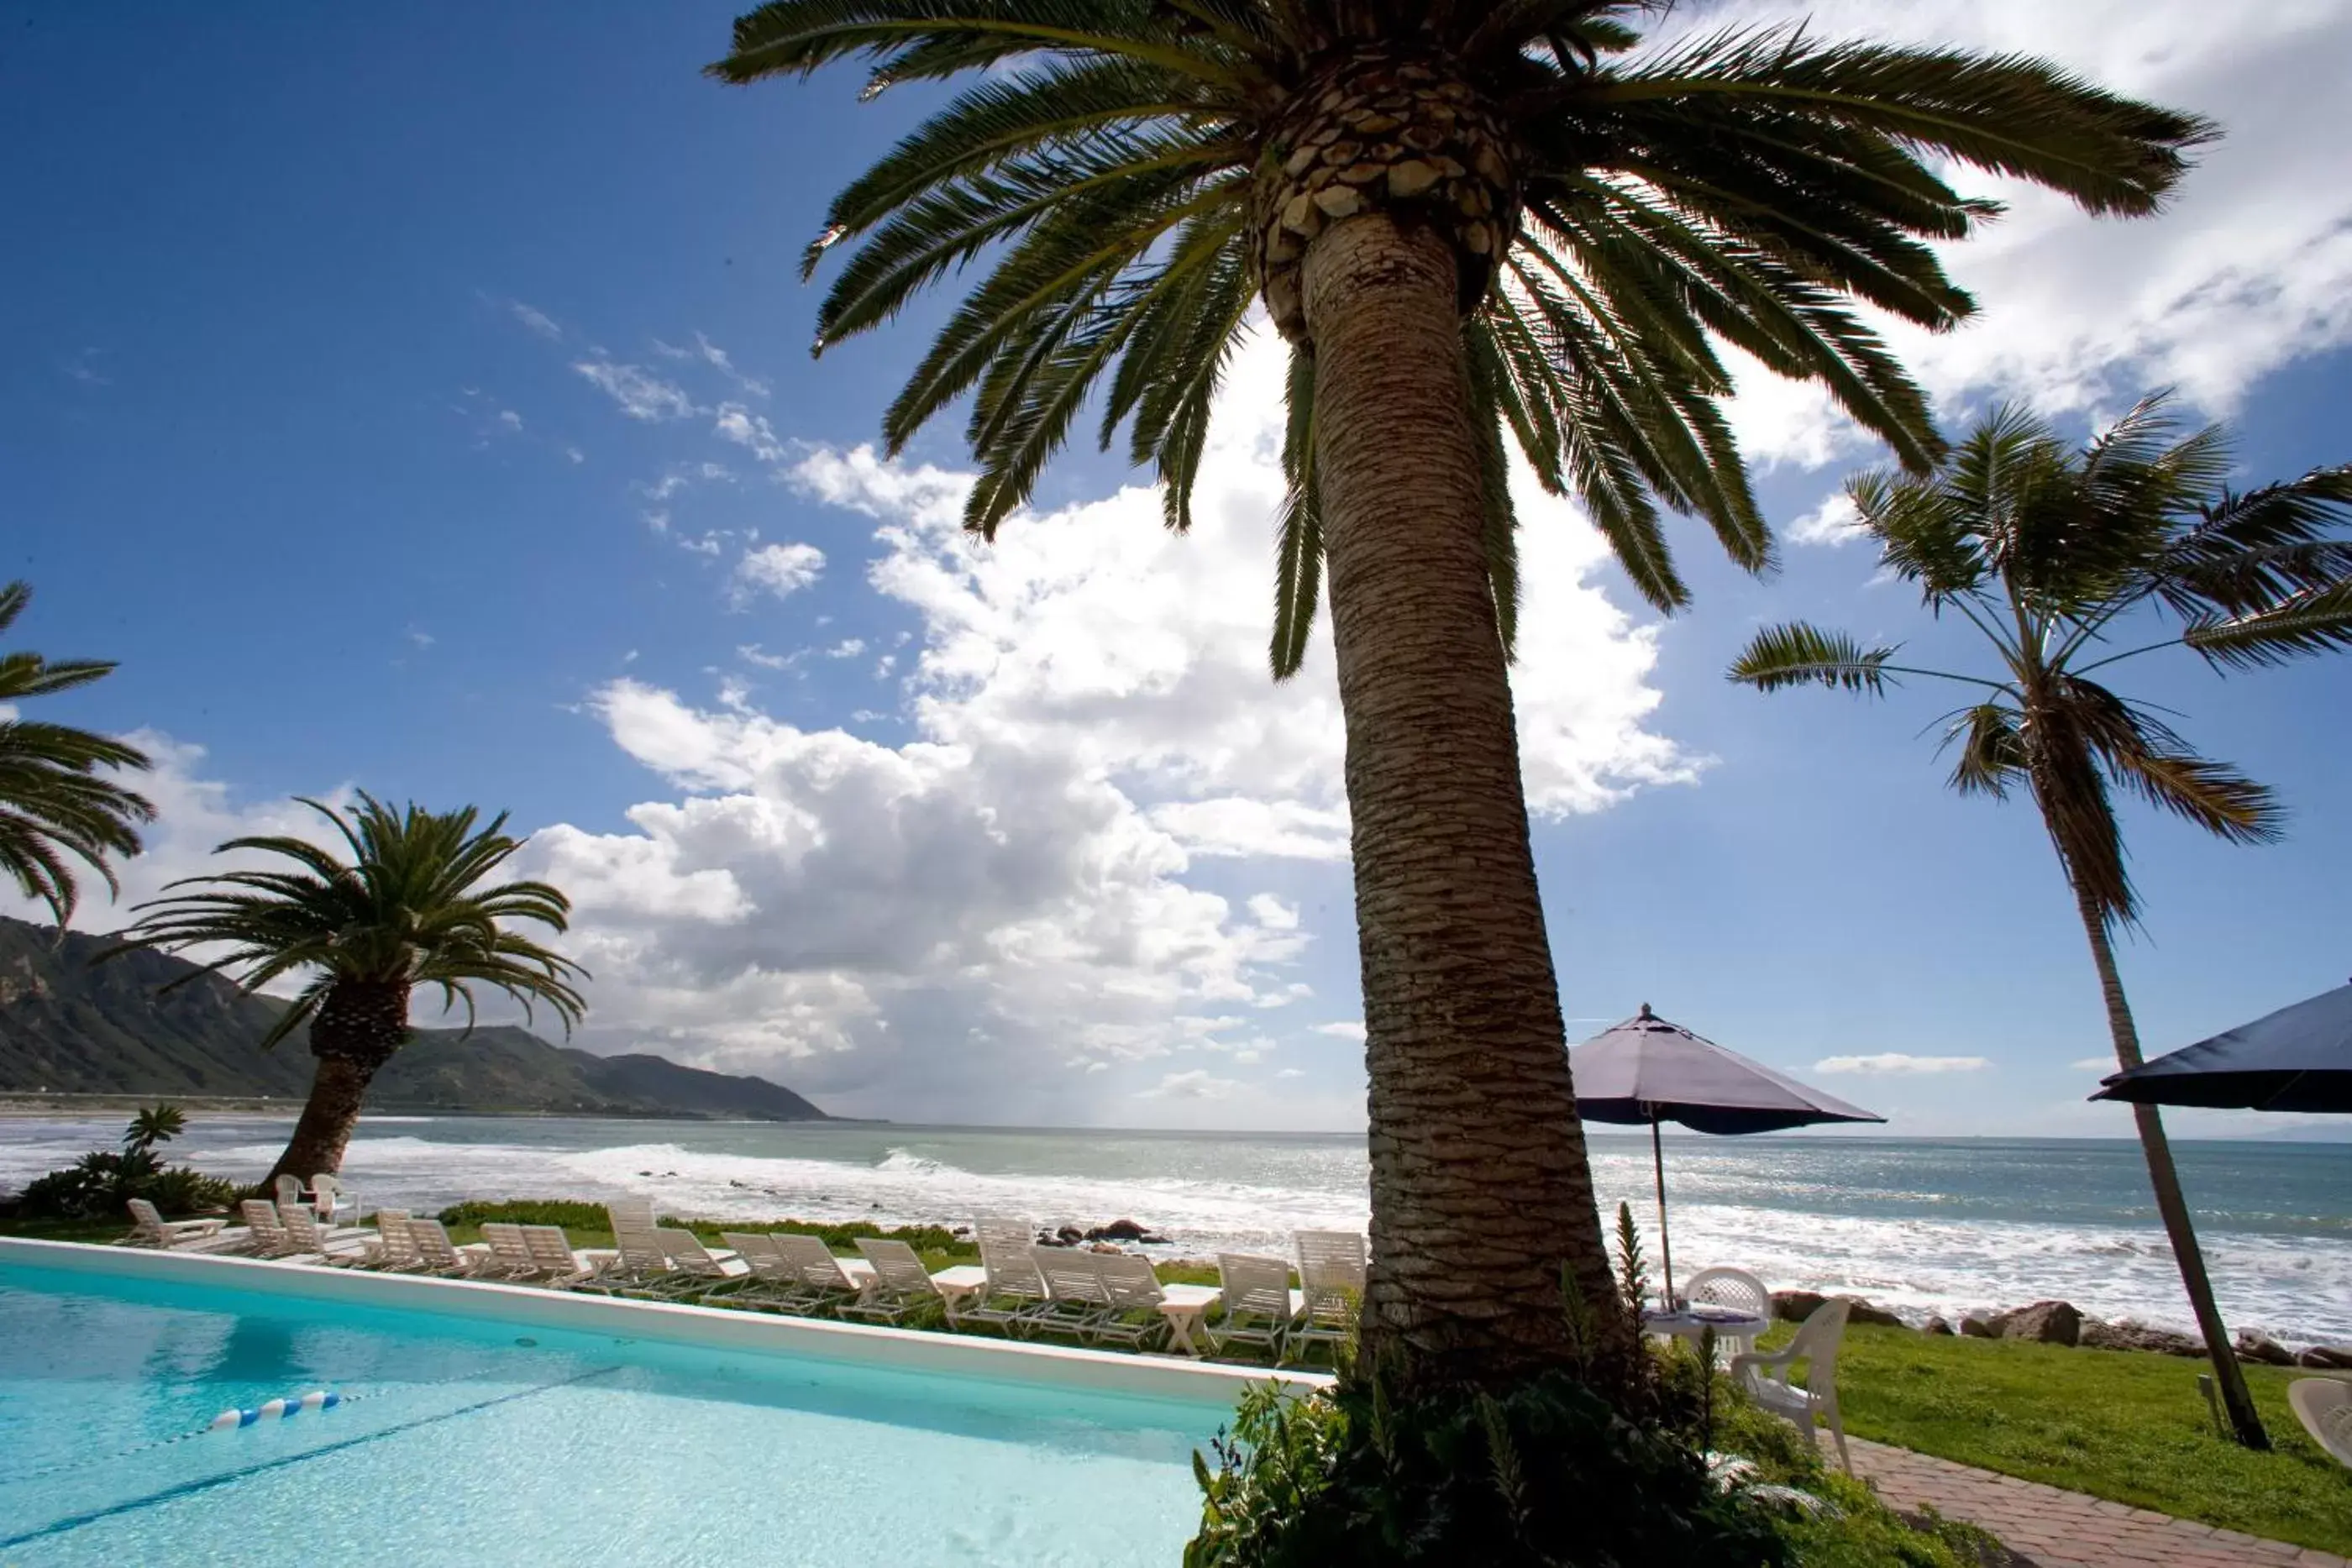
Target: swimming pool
<point>482,1439</point>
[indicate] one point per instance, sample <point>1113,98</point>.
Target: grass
<point>65,1229</point>
<point>2121,1425</point>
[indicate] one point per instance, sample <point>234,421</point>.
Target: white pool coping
<point>712,1328</point>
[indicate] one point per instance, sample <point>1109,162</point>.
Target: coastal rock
<point>1861,1312</point>
<point>1796,1306</point>
<point>1117,1231</point>
<point>1977,1328</point>
<point>2262,1348</point>
<point>2335,1357</point>
<point>2047,1323</point>
<point>1936,1326</point>
<point>2129,1335</point>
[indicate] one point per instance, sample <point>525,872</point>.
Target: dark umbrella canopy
<point>2297,1059</point>
<point>1646,1069</point>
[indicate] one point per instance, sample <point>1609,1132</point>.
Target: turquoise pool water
<point>463,1441</point>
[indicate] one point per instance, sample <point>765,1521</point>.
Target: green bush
<point>590,1219</point>
<point>97,1185</point>
<point>1549,1475</point>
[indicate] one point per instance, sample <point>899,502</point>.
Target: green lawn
<point>2121,1425</point>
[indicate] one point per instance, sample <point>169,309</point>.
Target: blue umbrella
<point>1648,1070</point>
<point>2297,1059</point>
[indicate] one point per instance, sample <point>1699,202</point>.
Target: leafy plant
<point>1546,1473</point>
<point>56,799</point>
<point>1633,1268</point>
<point>100,1182</point>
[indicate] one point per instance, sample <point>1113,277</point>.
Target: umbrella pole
<point>1666,1245</point>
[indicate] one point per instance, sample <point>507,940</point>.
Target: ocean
<point>1921,1225</point>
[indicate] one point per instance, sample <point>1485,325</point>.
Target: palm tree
<point>2051,554</point>
<point>1479,227</point>
<point>408,909</point>
<point>54,802</point>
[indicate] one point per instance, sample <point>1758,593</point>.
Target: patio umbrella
<point>2297,1059</point>
<point>1648,1070</point>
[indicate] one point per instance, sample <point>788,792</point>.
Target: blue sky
<point>423,405</point>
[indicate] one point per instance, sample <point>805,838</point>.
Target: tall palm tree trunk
<point>2164,1178</point>
<point>359,1026</point>
<point>1481,1195</point>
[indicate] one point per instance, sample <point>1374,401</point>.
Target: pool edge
<point>716,1328</point>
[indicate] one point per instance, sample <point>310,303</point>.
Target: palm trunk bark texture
<point>359,1026</point>
<point>1481,1201</point>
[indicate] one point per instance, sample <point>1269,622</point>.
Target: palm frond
<point>1797,654</point>
<point>1992,747</point>
<point>2318,620</point>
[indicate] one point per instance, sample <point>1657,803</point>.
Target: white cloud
<point>511,419</point>
<point>847,648</point>
<point>538,321</point>
<point>1198,1084</point>
<point>421,637</point>
<point>1352,1029</point>
<point>781,569</point>
<point>1291,1072</point>
<point>1272,913</point>
<point>738,424</point>
<point>1834,522</point>
<point>1887,1061</point>
<point>2099,1064</point>
<point>641,394</point>
<point>2249,269</point>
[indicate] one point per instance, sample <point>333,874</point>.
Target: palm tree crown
<point>2051,553</point>
<point>406,910</point>
<point>1151,167</point>
<point>54,799</point>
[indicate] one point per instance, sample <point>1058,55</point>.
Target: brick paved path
<point>2060,1529</point>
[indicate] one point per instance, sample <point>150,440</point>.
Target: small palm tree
<point>2051,553</point>
<point>1479,227</point>
<point>408,909</point>
<point>54,801</point>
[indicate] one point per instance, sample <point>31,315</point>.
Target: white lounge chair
<point>900,1286</point>
<point>559,1265</point>
<point>1331,1268</point>
<point>2324,1406</point>
<point>309,1238</point>
<point>1737,1290</point>
<point>266,1229</point>
<point>149,1229</point>
<point>1258,1300</point>
<point>1014,1292</point>
<point>510,1256</point>
<point>1137,1313</point>
<point>819,1273</point>
<point>437,1255</point>
<point>639,1262</point>
<point>1079,1301</point>
<point>1765,1376</point>
<point>392,1251</point>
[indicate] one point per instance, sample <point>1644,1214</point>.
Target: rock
<point>1977,1328</point>
<point>1065,1235</point>
<point>2046,1322</point>
<point>1796,1306</point>
<point>2262,1348</point>
<point>1105,1249</point>
<point>2129,1335</point>
<point>2338,1356</point>
<point>1117,1231</point>
<point>1861,1312</point>
<point>1936,1326</point>
<point>2315,1358</point>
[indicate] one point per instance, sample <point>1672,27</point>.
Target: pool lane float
<point>277,1410</point>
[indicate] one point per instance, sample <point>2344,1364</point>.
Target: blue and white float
<point>277,1410</point>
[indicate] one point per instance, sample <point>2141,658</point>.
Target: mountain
<point>69,1026</point>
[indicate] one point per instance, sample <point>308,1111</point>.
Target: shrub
<point>1548,1474</point>
<point>573,1215</point>
<point>100,1182</point>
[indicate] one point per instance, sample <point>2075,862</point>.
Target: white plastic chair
<point>307,1238</point>
<point>149,1229</point>
<point>1014,1292</point>
<point>331,1198</point>
<point>550,1248</point>
<point>1765,1376</point>
<point>820,1273</point>
<point>1080,1302</point>
<point>1133,1287</point>
<point>900,1287</point>
<point>1736,1288</point>
<point>267,1230</point>
<point>510,1255</point>
<point>1331,1268</point>
<point>289,1191</point>
<point>1257,1301</point>
<point>437,1255</point>
<point>392,1251</point>
<point>2324,1406</point>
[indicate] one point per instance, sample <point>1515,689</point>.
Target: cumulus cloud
<point>738,424</point>
<point>1892,1061</point>
<point>641,394</point>
<point>1835,521</point>
<point>2250,269</point>
<point>781,569</point>
<point>1198,1084</point>
<point>1352,1029</point>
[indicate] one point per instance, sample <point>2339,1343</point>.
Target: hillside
<point>69,1026</point>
